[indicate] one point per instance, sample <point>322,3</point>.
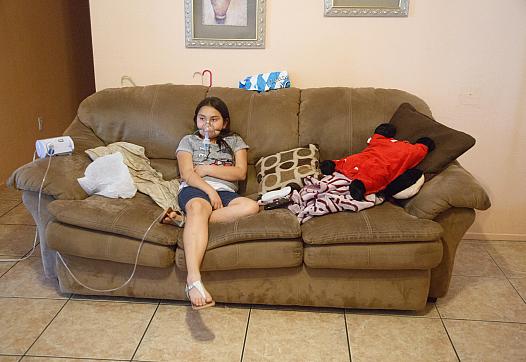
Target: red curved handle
<point>210,74</point>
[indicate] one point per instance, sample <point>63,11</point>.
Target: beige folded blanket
<point>148,180</point>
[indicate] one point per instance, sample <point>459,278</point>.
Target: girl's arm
<point>227,173</point>
<point>186,168</point>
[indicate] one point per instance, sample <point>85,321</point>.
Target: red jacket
<point>383,160</point>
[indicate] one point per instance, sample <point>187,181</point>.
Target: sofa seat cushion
<point>386,223</point>
<point>73,240</point>
<point>266,225</point>
<point>258,254</point>
<point>377,256</point>
<point>127,217</point>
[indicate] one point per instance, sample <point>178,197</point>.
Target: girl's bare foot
<point>172,217</point>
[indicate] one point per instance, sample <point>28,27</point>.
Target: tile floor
<point>483,317</point>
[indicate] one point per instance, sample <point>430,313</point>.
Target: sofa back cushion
<point>158,116</point>
<point>155,117</point>
<point>268,122</point>
<point>340,120</point>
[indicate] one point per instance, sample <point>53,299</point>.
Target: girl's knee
<point>251,206</point>
<point>198,206</point>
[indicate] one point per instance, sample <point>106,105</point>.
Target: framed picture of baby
<point>225,23</point>
<point>366,7</point>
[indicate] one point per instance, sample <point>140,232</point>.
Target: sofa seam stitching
<point>249,120</point>
<point>150,126</point>
<point>367,222</point>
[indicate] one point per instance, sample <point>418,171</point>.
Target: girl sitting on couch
<point>210,173</point>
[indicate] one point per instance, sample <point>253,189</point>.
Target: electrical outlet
<point>40,123</point>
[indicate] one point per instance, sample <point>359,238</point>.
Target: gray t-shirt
<point>194,145</point>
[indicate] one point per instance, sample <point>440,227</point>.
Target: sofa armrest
<point>61,180</point>
<point>453,187</point>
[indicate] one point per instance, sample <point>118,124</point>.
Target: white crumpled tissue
<point>108,176</point>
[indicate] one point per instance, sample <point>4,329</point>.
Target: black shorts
<point>189,192</point>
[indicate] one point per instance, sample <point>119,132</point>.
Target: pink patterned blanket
<point>325,196</point>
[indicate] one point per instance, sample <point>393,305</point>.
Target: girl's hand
<point>215,200</point>
<point>202,170</point>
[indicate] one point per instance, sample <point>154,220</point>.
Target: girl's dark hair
<point>221,107</point>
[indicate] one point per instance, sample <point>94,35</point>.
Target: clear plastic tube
<point>35,239</point>
<point>134,264</point>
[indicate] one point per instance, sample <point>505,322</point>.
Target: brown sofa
<point>389,256</point>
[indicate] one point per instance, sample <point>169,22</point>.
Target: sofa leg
<point>431,299</point>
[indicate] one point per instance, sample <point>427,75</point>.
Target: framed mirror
<point>224,23</point>
<point>366,7</point>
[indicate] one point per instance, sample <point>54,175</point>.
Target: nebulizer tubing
<point>50,154</point>
<point>134,265</point>
<point>157,219</point>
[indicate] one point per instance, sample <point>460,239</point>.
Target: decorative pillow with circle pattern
<point>287,168</point>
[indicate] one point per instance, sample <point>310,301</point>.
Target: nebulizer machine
<point>62,146</point>
<point>54,146</point>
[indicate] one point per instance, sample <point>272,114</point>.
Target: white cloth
<point>148,180</point>
<point>108,176</point>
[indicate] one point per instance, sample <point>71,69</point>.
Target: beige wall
<point>46,69</point>
<point>467,59</point>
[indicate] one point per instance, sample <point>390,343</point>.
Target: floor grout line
<point>74,300</point>
<point>78,298</point>
<point>246,334</point>
<point>493,259</point>
<point>11,267</point>
<point>10,355</point>
<point>394,315</point>
<point>513,286</point>
<point>507,278</point>
<point>11,209</point>
<point>347,334</point>
<point>47,326</point>
<point>450,340</point>
<point>438,310</point>
<point>482,320</point>
<point>145,330</point>
<point>37,298</point>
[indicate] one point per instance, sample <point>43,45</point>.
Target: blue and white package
<point>266,81</point>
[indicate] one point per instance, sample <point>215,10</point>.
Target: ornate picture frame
<point>366,7</point>
<point>224,23</point>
